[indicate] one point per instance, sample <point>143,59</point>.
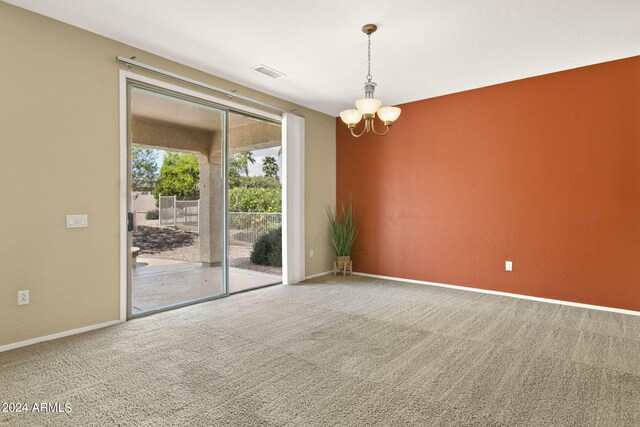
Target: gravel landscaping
<point>168,243</point>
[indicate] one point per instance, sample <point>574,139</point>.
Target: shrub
<point>275,257</point>
<point>254,182</point>
<point>268,249</point>
<point>153,214</point>
<point>242,199</point>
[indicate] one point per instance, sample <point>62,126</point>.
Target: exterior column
<point>210,214</point>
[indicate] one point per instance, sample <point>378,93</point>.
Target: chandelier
<point>368,106</point>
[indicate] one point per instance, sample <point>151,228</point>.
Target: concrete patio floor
<point>158,282</point>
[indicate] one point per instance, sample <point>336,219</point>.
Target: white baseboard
<point>25,343</point>
<point>313,276</point>
<point>505,294</point>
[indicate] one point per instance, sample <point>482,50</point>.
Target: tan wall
<point>59,138</point>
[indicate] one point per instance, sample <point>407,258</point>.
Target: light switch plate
<point>508,266</point>
<point>77,221</point>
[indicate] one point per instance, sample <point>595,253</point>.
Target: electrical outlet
<point>508,266</point>
<point>311,253</point>
<point>23,297</point>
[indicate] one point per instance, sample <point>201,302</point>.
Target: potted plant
<point>342,233</point>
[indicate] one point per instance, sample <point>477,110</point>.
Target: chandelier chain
<point>369,77</point>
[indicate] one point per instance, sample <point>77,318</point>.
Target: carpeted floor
<point>336,351</point>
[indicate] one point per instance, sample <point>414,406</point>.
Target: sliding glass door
<point>205,200</point>
<point>177,235</point>
<point>255,202</point>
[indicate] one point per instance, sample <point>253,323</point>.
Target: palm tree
<point>244,158</point>
<point>270,167</point>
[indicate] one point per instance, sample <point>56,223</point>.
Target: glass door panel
<point>255,202</point>
<point>176,200</point>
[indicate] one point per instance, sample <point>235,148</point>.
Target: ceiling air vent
<point>268,71</point>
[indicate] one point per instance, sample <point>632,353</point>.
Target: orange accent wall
<point>544,172</point>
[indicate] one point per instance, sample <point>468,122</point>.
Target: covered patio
<point>163,282</point>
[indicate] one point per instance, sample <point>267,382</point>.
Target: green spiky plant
<point>343,229</point>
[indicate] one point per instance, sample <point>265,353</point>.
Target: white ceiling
<point>422,48</point>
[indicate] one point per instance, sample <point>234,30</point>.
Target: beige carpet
<point>340,352</point>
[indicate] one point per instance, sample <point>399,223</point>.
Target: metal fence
<point>246,227</point>
<point>188,215</point>
<point>180,214</point>
<point>167,211</point>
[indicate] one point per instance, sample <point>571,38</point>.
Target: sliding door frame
<point>126,79</point>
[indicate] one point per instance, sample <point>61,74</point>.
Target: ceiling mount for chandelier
<point>368,106</point>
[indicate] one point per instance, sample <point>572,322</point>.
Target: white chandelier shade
<point>389,114</point>
<point>351,117</point>
<point>368,105</point>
